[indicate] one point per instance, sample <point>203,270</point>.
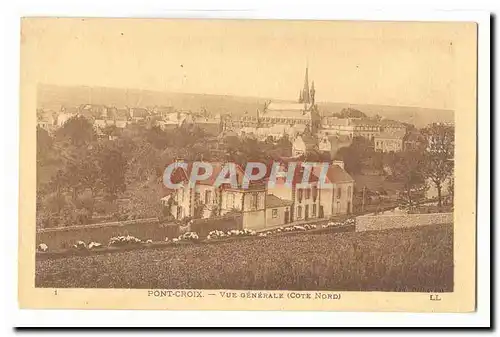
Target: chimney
<point>339,163</point>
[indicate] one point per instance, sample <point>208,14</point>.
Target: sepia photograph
<point>270,160</point>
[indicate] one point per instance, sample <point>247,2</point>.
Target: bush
<point>188,236</point>
<point>80,245</point>
<point>118,241</point>
<point>93,245</point>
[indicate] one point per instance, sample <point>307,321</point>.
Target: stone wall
<point>144,229</point>
<point>222,223</point>
<point>381,222</point>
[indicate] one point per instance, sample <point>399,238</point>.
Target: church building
<point>303,112</point>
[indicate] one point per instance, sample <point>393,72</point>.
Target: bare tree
<point>439,155</point>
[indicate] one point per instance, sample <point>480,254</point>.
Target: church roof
<point>274,106</point>
<point>287,110</point>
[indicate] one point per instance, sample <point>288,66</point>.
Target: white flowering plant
<point>123,241</point>
<point>80,245</point>
<point>188,236</point>
<point>93,245</point>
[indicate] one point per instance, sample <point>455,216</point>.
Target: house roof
<point>139,112</point>
<point>391,123</point>
<point>298,173</point>
<point>273,201</point>
<point>297,128</point>
<point>181,175</point>
<point>335,174</point>
<point>414,136</point>
<point>122,114</point>
<point>69,109</point>
<point>206,120</point>
<point>308,140</point>
<point>212,129</point>
<point>335,121</point>
<point>364,122</point>
<point>391,135</point>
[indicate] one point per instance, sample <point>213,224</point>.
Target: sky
<point>387,63</point>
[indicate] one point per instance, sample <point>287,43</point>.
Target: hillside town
<point>358,148</point>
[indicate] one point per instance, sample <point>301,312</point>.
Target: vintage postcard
<point>247,164</point>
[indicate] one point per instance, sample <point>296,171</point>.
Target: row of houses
<point>103,116</point>
<point>263,205</point>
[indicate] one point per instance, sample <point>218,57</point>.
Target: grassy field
<point>416,259</point>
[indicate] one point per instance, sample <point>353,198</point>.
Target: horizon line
<point>228,95</point>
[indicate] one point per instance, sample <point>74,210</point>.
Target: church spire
<point>312,93</point>
<point>305,91</point>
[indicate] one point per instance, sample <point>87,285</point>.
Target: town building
<point>389,141</point>
<point>64,116</point>
<point>330,145</point>
<point>338,199</point>
<point>414,140</point>
<point>366,128</point>
<point>93,111</point>
<point>302,113</point>
<point>211,126</point>
<point>204,199</point>
<point>139,114</point>
<point>263,205</point>
<point>304,144</point>
<point>46,119</point>
<point>334,126</point>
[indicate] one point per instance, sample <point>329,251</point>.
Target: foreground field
<point>416,259</point>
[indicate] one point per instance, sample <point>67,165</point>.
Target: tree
<point>407,167</point>
<point>111,131</point>
<point>157,137</point>
<point>112,166</point>
<point>89,175</point>
<point>357,155</point>
<point>350,113</point>
<point>43,145</point>
<point>58,184</point>
<point>78,130</point>
<point>439,155</point>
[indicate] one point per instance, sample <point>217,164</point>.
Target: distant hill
<point>53,97</point>
<point>414,115</point>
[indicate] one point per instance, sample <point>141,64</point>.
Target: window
<point>339,192</point>
<point>299,212</point>
<point>254,201</point>
<point>208,197</point>
<point>308,193</point>
<point>197,197</point>
<point>314,210</point>
<point>349,192</point>
<point>230,200</point>
<point>299,192</point>
<point>275,213</point>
